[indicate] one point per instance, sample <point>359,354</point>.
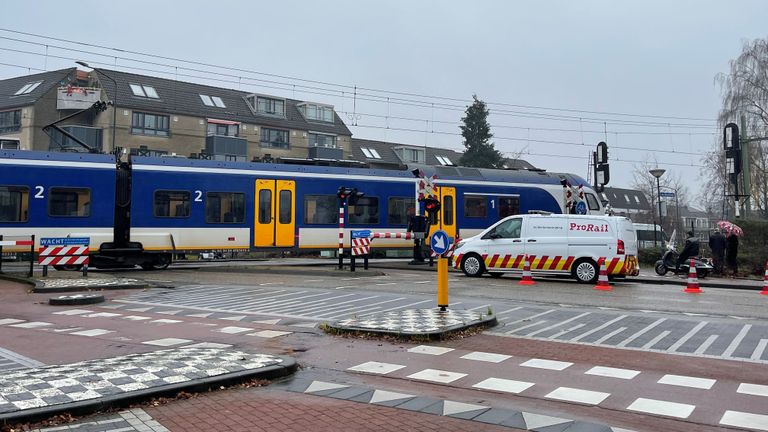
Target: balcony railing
<point>74,98</point>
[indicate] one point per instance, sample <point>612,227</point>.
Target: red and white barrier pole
<point>341,235</point>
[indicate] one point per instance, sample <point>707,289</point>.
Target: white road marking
<point>165,321</point>
<point>209,345</point>
<point>657,339</point>
<point>610,335</point>
<point>687,381</point>
<point>578,395</point>
<point>546,364</point>
<point>136,318</point>
<point>10,321</point>
<point>379,368</point>
<point>31,325</point>
<point>102,315</point>
<point>558,324</point>
<point>429,350</point>
<point>509,310</point>
<point>269,333</point>
<point>73,312</point>
<point>527,326</point>
<point>645,330</point>
<point>486,357</point>
<point>598,328</point>
<point>436,375</point>
<point>757,354</point>
<point>745,420</point>
<point>386,396</point>
<point>568,330</point>
<point>660,407</point>
<point>233,330</point>
<point>707,343</point>
<point>687,336</point>
<point>92,333</point>
<point>531,317</point>
<point>503,385</point>
<point>737,340</point>
<point>625,374</point>
<point>753,389</point>
<point>167,342</point>
<point>451,407</point>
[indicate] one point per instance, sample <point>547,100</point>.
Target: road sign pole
<point>442,283</point>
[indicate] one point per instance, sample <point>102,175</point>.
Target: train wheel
<point>160,262</point>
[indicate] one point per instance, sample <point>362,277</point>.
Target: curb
<point>288,367</point>
<point>482,323</point>
<point>39,288</point>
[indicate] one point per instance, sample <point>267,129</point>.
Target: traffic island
<point>416,324</point>
<point>57,285</point>
<point>82,388</point>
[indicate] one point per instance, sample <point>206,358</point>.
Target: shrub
<point>649,256</point>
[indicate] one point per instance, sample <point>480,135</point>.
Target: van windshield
<point>507,229</point>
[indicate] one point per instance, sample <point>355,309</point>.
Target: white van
<point>557,243</point>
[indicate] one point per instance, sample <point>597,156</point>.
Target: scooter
<point>668,263</point>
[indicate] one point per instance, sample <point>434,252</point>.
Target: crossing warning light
<point>432,206</point>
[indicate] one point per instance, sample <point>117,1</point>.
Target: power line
<point>345,86</point>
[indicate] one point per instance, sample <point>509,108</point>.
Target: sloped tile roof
<point>630,199</point>
<point>183,98</point>
<point>10,86</point>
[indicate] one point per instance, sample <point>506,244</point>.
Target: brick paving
<point>266,409</point>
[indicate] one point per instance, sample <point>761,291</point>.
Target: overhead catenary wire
<point>338,85</point>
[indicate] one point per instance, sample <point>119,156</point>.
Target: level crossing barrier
<point>15,244</point>
<point>64,252</point>
<point>360,244</point>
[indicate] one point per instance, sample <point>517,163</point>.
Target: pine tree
<point>476,131</point>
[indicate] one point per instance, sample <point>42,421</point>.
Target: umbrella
<point>730,228</point>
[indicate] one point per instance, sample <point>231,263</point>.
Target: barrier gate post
<point>32,256</point>
<point>1,253</point>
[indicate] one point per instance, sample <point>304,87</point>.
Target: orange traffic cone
<point>602,280</point>
<point>765,281</point>
<point>527,276</point>
<point>693,280</point>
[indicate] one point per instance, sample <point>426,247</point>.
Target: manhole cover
<point>76,299</point>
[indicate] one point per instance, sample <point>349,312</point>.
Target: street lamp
<point>114,100</point>
<point>657,172</point>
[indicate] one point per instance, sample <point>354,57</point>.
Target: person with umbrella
<point>733,232</point>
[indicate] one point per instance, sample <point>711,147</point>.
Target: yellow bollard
<point>442,283</point>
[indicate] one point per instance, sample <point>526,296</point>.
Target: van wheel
<point>496,274</point>
<point>472,265</point>
<point>585,271</point>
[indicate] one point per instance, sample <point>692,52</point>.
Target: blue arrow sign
<point>581,208</point>
<point>440,242</point>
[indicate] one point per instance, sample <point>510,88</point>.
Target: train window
<point>174,204</point>
<point>508,206</point>
<point>224,207</point>
<point>366,211</point>
<point>286,205</point>
<point>14,203</point>
<point>399,210</point>
<point>475,206</point>
<point>447,210</point>
<point>69,202</point>
<point>265,206</point>
<point>321,209</point>
<point>592,202</point>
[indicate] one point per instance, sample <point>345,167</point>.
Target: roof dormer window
<point>316,112</point>
<point>28,88</point>
<point>444,160</point>
<point>145,91</point>
<point>212,101</point>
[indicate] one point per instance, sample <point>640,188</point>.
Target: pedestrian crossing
<point>701,335</point>
<point>12,360</point>
<point>694,398</point>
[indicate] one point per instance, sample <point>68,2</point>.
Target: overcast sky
<point>589,58</point>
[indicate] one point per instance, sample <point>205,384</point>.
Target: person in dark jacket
<point>691,249</point>
<point>731,252</point>
<point>717,245</point>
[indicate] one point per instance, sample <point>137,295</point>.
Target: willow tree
<point>745,94</point>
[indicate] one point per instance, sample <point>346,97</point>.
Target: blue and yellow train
<point>142,211</point>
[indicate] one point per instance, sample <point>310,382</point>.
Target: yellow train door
<point>274,213</point>
<point>446,221</point>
